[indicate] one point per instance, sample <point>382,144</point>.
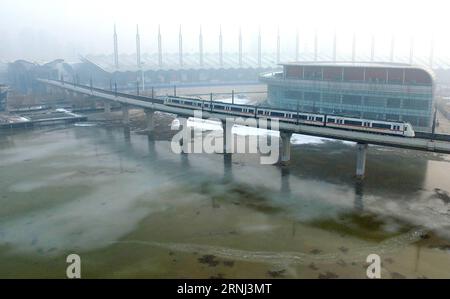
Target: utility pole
<point>334,46</point>
<point>116,49</point>
<point>240,47</point>
<point>354,47</point>
<point>220,47</point>
<point>160,59</point>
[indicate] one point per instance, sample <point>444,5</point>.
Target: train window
<point>331,120</point>
<point>273,113</point>
<point>236,109</point>
<point>319,119</point>
<point>175,101</point>
<point>260,112</point>
<point>301,116</point>
<point>353,122</point>
<point>219,107</point>
<point>381,126</point>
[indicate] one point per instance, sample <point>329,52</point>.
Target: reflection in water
<point>285,186</point>
<point>184,158</point>
<point>227,168</point>
<point>127,134</point>
<point>151,146</point>
<point>359,192</point>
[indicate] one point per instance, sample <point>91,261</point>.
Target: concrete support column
<point>125,115</point>
<point>149,114</point>
<point>227,151</point>
<point>285,150</point>
<point>107,107</point>
<point>361,150</point>
<point>227,138</point>
<point>187,140</point>
<point>183,126</point>
<point>66,94</point>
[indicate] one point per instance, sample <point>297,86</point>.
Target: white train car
<point>373,126</point>
<point>292,116</point>
<point>348,123</point>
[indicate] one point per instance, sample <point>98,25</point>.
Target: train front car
<point>371,126</point>
<point>408,130</point>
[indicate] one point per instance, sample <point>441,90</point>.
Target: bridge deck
<point>423,142</point>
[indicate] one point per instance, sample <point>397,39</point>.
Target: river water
<point>130,207</point>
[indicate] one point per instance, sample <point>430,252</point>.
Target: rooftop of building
<point>371,64</point>
<point>171,61</point>
<point>364,64</point>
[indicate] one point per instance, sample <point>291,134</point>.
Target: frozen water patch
<point>212,125</point>
<point>85,124</point>
<point>305,139</point>
<point>240,100</point>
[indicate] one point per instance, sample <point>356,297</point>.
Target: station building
<point>380,91</point>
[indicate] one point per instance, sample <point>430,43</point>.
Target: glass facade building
<point>380,91</point>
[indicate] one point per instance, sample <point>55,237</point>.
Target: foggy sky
<point>44,30</point>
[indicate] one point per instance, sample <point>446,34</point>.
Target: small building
<point>381,91</point>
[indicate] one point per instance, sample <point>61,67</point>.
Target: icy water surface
<point>131,208</point>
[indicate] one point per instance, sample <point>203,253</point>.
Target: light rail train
<point>397,128</point>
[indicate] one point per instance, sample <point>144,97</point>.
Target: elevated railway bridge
<point>429,142</point>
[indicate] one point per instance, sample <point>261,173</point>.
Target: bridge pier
<point>107,107</point>
<point>227,137</point>
<point>285,148</point>
<point>149,114</point>
<point>361,150</point>
<point>187,137</point>
<point>125,115</point>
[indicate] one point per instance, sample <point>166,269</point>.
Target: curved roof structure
<point>365,64</point>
